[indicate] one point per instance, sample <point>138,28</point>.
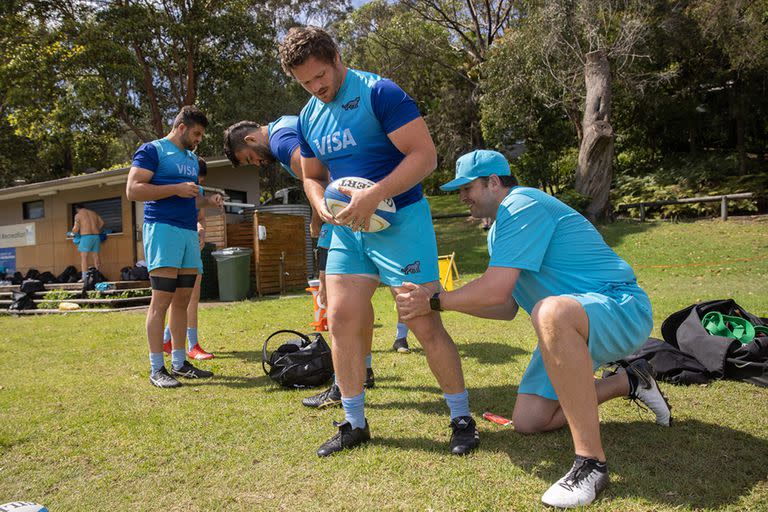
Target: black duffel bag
<point>301,362</point>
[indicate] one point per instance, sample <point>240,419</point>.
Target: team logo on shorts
<point>412,268</point>
<point>351,105</point>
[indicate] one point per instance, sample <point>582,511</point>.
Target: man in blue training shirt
<point>583,300</point>
<point>358,124</point>
<point>164,175</point>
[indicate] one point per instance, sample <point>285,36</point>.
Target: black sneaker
<point>401,346</point>
<point>586,479</point>
<point>190,372</point>
<point>647,391</point>
<point>328,398</point>
<point>465,437</point>
<point>347,437</point>
<point>370,382</point>
<point>161,379</point>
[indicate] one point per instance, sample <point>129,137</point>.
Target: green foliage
<point>52,298</point>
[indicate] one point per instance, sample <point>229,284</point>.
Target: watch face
<point>434,302</point>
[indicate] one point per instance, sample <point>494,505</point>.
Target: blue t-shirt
<point>557,250</point>
<point>283,140</point>
<point>349,134</point>
<point>170,165</point>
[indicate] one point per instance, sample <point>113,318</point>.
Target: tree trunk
<point>595,168</point>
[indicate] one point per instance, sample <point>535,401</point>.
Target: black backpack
<point>17,278</point>
<point>32,273</point>
<point>70,275</point>
<point>22,300</point>
<point>32,286</point>
<point>48,278</point>
<point>300,362</point>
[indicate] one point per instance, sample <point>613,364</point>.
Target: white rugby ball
<point>22,506</point>
<point>336,201</point>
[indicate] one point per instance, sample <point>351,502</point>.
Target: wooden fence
<point>705,199</point>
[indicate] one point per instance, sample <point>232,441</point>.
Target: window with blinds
<point>110,210</point>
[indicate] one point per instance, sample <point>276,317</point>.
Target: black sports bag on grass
<point>304,361</point>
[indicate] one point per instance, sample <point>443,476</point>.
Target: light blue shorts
<point>326,233</point>
<point>89,243</point>
<point>620,320</point>
<point>405,251</point>
<point>171,246</point>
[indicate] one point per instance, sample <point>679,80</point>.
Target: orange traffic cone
<point>321,314</point>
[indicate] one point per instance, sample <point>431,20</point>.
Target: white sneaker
<point>586,479</point>
<point>648,392</point>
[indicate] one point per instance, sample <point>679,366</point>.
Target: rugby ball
<point>22,506</point>
<point>336,201</point>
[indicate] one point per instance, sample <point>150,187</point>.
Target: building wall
<point>53,251</point>
<point>244,178</point>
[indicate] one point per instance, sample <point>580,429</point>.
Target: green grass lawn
<point>81,429</point>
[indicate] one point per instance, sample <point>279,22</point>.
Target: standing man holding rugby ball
<point>164,175</point>
<point>359,124</point>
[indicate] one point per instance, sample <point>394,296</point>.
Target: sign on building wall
<point>17,235</point>
<point>8,259</point>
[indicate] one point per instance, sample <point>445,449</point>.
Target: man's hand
<point>216,200</point>
<point>187,190</point>
<point>325,214</point>
<point>413,301</point>
<point>363,203</point>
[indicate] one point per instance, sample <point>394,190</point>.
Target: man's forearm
<point>478,299</point>
<point>147,192</point>
<point>315,190</point>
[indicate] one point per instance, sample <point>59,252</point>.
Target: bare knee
<point>529,424</point>
<point>427,329</point>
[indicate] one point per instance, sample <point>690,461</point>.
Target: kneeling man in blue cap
<point>584,302</point>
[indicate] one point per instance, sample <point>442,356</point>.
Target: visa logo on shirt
<point>336,141</point>
<point>186,170</point>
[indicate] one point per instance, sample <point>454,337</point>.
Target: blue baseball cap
<point>478,163</point>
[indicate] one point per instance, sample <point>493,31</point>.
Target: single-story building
<point>35,218</point>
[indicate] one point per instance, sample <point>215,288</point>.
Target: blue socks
<point>402,331</point>
<point>156,361</point>
<point>177,358</point>
<point>354,410</point>
<point>192,338</point>
<point>458,403</point>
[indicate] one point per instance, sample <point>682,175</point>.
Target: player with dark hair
<point>164,175</point>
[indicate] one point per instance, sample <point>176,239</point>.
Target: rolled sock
<point>354,410</point>
<point>177,358</point>
<point>458,403</point>
<point>191,338</point>
<point>368,360</point>
<point>402,331</point>
<point>167,334</point>
<point>156,361</point>
<point>84,274</point>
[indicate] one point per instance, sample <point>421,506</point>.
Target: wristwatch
<point>434,302</point>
